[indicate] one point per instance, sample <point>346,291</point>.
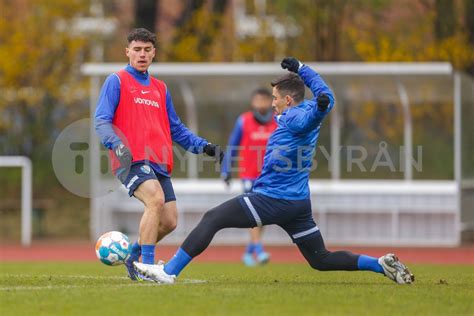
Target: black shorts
<point>295,217</point>
<point>141,172</point>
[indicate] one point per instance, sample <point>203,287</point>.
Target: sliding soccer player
<point>281,193</point>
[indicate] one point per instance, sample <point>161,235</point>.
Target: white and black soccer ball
<point>113,248</point>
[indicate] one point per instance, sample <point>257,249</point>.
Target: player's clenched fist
<point>291,63</point>
<point>214,151</point>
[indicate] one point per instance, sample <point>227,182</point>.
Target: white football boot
<point>155,272</point>
<point>395,270</point>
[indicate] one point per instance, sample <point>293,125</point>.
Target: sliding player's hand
<point>291,63</point>
<point>124,155</point>
<point>214,151</point>
<point>323,102</point>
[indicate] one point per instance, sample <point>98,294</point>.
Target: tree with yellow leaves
<point>39,72</point>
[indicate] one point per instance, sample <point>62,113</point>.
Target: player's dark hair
<point>262,91</point>
<point>290,84</point>
<point>142,35</point>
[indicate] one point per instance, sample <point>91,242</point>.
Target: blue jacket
<point>234,141</point>
<point>292,145</point>
<point>108,101</point>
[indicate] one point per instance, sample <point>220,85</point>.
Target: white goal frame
<point>26,193</point>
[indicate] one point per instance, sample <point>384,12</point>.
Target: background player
<point>248,140</point>
<point>136,120</point>
<point>281,193</point>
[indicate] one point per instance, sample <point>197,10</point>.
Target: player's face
<point>280,103</point>
<point>261,103</point>
<point>140,55</point>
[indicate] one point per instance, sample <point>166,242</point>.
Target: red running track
<point>68,252</point>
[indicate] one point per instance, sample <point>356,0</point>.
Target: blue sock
<point>250,248</point>
<point>148,254</point>
<point>369,264</point>
<point>258,248</point>
<point>178,262</point>
<point>136,252</point>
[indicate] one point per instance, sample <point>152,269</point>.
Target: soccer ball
<point>113,248</point>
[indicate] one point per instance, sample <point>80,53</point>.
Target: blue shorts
<point>141,172</point>
<point>295,217</point>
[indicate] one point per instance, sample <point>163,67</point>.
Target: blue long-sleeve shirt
<point>233,142</point>
<point>107,104</point>
<point>291,147</point>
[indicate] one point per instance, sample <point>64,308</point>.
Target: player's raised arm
<point>311,78</point>
<point>302,121</point>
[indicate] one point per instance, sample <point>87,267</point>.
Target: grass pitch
<point>232,289</point>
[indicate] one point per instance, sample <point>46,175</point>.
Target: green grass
<point>232,289</point>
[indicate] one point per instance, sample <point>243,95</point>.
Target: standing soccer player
<point>136,120</point>
<point>281,193</point>
<point>249,139</point>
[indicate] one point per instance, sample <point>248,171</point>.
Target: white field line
<point>87,277</point>
<point>65,276</point>
<point>57,287</point>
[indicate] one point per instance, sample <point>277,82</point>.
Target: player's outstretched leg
<point>228,214</point>
<point>321,259</point>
